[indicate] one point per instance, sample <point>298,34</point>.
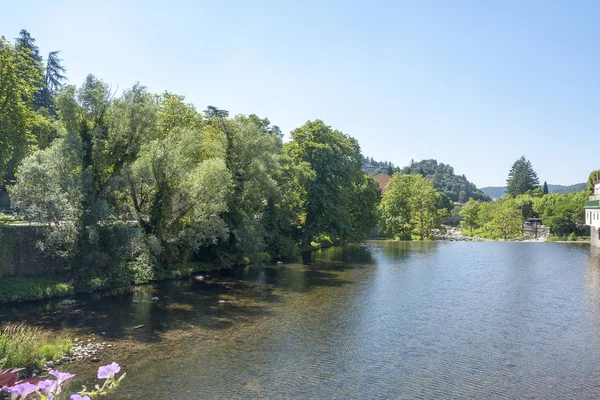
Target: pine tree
<point>521,178</point>
<point>545,188</point>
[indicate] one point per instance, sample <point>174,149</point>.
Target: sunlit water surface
<point>384,320</point>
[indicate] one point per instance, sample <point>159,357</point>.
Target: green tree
<point>545,188</point>
<point>462,196</point>
<point>593,176</point>
<point>396,212</point>
<point>469,214</point>
<point>424,201</point>
<point>562,213</point>
<point>506,218</point>
<point>410,205</point>
<point>19,79</point>
<point>251,151</point>
<point>521,178</point>
<point>335,159</point>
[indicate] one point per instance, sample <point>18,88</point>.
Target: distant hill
<point>578,187</point>
<point>495,192</point>
<point>456,187</point>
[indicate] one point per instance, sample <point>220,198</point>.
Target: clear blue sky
<point>474,84</point>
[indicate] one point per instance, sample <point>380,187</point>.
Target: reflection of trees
<point>398,251</point>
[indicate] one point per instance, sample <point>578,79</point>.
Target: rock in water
<point>68,302</point>
<point>199,278</point>
<point>154,299</point>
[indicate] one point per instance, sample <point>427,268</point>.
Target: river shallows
<point>385,320</point>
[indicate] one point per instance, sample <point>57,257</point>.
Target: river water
<point>383,320</point>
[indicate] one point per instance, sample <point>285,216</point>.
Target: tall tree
<point>335,159</point>
<point>521,178</point>
<point>19,79</point>
<point>545,188</point>
<point>425,212</point>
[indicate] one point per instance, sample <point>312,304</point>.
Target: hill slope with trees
<point>456,187</point>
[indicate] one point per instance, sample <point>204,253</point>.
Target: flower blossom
<point>108,371</point>
<point>60,376</point>
<point>78,397</point>
<point>48,386</point>
<point>23,390</point>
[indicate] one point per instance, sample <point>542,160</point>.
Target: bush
<point>26,289</point>
<point>572,237</point>
<point>6,219</point>
<point>30,347</point>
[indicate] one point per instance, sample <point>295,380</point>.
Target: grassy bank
<point>16,289</point>
<point>27,289</point>
<point>29,347</point>
<point>488,234</point>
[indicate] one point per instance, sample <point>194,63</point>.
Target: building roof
<point>382,179</point>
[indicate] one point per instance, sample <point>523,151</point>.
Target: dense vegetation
<point>504,218</point>
<point>412,206</point>
<point>456,187</point>
<point>142,186</point>
<point>134,185</point>
<point>29,347</point>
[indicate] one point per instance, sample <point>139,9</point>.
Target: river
<point>383,320</point>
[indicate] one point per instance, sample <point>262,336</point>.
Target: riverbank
<point>25,288</point>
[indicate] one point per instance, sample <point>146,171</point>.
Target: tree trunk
<point>307,257</point>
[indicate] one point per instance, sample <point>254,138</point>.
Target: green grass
<point>27,289</point>
<point>487,234</point>
<point>22,346</point>
<point>568,238</point>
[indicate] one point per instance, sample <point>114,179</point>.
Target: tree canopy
<point>521,178</point>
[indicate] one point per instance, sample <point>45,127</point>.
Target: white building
<point>592,214</point>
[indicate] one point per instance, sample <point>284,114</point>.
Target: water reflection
<point>384,320</point>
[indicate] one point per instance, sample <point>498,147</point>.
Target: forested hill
<point>496,192</point>
<point>457,187</point>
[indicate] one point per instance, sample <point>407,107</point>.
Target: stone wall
<point>20,255</point>
<point>594,237</point>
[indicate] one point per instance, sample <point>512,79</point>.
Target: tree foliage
<point>521,178</point>
<point>335,182</point>
<point>410,205</point>
<point>469,214</point>
<point>19,79</point>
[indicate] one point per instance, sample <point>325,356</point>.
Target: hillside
<point>495,192</point>
<point>456,187</point>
